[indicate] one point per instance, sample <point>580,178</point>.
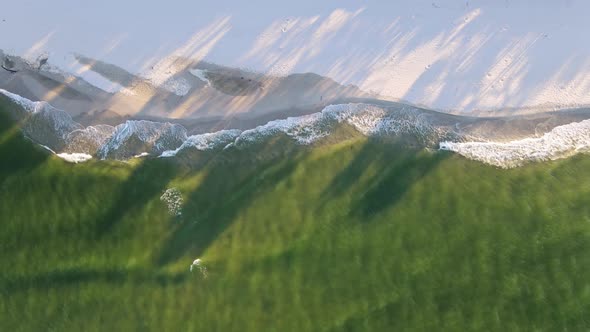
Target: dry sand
<point>227,92</point>
<point>452,55</point>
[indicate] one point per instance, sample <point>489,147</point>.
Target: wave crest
<point>561,142</point>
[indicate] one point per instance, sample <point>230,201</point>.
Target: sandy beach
<point>469,57</point>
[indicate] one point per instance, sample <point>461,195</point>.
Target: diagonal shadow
<point>393,168</point>
<point>343,181</point>
<point>146,181</point>
<point>18,153</point>
<point>65,278</point>
<point>230,185</point>
<point>394,180</point>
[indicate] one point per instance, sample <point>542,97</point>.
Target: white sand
<point>452,55</point>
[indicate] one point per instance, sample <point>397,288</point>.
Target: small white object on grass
<point>197,264</point>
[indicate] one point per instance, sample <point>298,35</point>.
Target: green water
<point>351,236</point>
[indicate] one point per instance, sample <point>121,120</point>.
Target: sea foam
<point>168,139</point>
<point>74,157</point>
<point>561,142</point>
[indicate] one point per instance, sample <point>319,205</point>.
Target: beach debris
<point>9,65</point>
<point>42,60</point>
<point>173,199</point>
<point>8,69</point>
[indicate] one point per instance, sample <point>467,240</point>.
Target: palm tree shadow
<point>345,180</point>
<point>69,277</point>
<point>227,189</point>
<point>18,153</point>
<point>394,181</point>
<point>394,169</point>
<point>146,181</point>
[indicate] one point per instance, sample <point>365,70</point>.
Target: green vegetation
<point>352,236</point>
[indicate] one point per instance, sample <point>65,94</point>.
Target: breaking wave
<point>75,157</point>
<point>561,142</point>
<point>203,142</point>
<point>56,130</point>
<point>90,139</point>
<point>136,136</point>
<point>370,120</point>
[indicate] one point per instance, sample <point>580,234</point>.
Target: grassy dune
<point>352,236</point>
